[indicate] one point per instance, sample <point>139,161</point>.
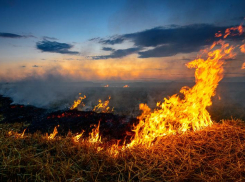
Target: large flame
<point>186,111</point>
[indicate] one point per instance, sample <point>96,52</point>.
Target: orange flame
<point>78,102</point>
<point>125,86</point>
<point>243,66</point>
<point>106,86</point>
<point>52,135</point>
<point>16,134</point>
<point>94,136</point>
<point>77,137</point>
<point>219,34</point>
<point>186,111</point>
<point>242,48</point>
<point>103,107</point>
<point>233,31</point>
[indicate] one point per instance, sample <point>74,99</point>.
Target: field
<point>215,153</point>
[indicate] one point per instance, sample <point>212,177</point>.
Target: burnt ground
<point>37,119</point>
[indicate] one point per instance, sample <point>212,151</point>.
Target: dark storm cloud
<point>55,47</point>
<point>119,53</point>
<point>164,41</point>
<point>14,36</point>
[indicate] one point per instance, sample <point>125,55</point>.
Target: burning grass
<point>164,146</point>
<point>215,153</point>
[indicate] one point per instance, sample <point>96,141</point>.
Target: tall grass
<point>215,153</point>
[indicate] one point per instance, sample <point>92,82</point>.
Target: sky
<point>112,40</point>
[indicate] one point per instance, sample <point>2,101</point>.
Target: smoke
<point>55,92</point>
<point>52,92</point>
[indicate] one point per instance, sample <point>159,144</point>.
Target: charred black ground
<point>37,119</point>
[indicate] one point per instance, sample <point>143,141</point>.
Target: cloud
<point>55,47</point>
<point>107,49</point>
<point>112,41</point>
<point>35,66</point>
<point>119,53</point>
<point>163,41</point>
<point>169,50</point>
<point>49,38</point>
<point>14,36</point>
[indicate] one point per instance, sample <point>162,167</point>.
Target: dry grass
<point>213,154</point>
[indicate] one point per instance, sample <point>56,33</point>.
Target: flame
<point>114,149</point>
<point>243,66</point>
<point>52,135</point>
<point>233,31</point>
<point>242,48</point>
<point>106,86</point>
<point>125,86</point>
<point>103,107</point>
<point>77,137</point>
<point>16,134</point>
<point>186,111</point>
<point>78,102</point>
<point>219,34</point>
<point>94,136</point>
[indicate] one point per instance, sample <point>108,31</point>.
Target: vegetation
<point>215,153</point>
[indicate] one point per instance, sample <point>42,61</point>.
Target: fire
<point>186,111</point>
<point>219,34</point>
<point>94,136</point>
<point>242,48</point>
<point>52,135</point>
<point>16,134</point>
<point>78,102</point>
<point>125,86</point>
<point>77,137</point>
<point>103,107</point>
<point>233,31</point>
<point>106,86</point>
<point>243,66</point>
